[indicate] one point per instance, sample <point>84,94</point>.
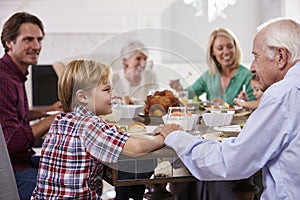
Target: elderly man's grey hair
<point>131,47</point>
<point>284,33</point>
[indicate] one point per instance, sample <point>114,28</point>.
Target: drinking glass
<point>116,109</point>
<point>184,97</point>
<point>177,115</point>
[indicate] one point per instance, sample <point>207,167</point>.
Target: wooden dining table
<point>143,169</point>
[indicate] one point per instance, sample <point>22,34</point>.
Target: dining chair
<point>8,186</point>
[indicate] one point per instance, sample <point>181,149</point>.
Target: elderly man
<point>270,139</point>
<point>21,37</point>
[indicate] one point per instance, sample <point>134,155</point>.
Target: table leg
<point>158,191</point>
<point>245,189</point>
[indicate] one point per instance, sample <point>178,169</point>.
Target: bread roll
<point>136,127</point>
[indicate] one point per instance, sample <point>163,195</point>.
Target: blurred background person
<point>136,79</point>
<point>131,85</point>
<point>226,76</point>
<point>242,99</point>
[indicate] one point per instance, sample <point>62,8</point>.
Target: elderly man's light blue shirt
<point>270,140</point>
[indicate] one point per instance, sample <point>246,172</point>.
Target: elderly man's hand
<point>169,128</point>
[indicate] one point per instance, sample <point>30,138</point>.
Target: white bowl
<point>218,118</point>
<point>188,122</point>
<point>131,111</point>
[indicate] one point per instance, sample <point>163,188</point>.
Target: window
<point>44,85</point>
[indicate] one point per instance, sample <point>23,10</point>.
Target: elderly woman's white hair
<point>131,47</point>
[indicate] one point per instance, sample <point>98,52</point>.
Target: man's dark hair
<point>11,27</point>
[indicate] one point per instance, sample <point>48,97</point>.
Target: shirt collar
<point>294,70</point>
<point>83,111</point>
<point>13,68</point>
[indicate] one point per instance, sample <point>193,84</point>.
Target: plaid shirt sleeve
<point>104,142</point>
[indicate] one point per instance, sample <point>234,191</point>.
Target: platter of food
<point>228,131</point>
<point>242,113</point>
<point>222,108</point>
<point>213,136</point>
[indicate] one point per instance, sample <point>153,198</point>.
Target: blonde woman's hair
<point>80,75</point>
<point>213,64</point>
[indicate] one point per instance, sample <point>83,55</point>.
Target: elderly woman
<point>134,79</point>
<point>226,76</point>
<point>132,83</point>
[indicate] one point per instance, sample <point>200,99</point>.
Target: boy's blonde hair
<point>80,75</point>
<point>212,62</point>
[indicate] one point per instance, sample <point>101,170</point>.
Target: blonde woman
<point>226,76</point>
<point>222,82</point>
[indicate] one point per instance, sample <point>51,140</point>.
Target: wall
<point>240,19</point>
<point>178,43</point>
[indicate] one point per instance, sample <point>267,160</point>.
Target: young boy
<point>79,142</point>
<point>252,105</point>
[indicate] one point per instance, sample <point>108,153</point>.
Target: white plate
<point>242,113</point>
<point>235,108</point>
<point>230,128</point>
<point>212,136</point>
<point>149,130</point>
<point>54,112</point>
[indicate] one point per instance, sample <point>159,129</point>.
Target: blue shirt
<point>270,140</point>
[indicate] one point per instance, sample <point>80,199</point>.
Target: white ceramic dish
<point>218,119</point>
<point>188,124</point>
<point>131,111</point>
<point>230,128</point>
<point>149,130</point>
<point>54,112</point>
<point>219,108</point>
<point>212,136</point>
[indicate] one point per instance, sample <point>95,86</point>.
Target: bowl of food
<point>218,118</point>
<point>188,122</point>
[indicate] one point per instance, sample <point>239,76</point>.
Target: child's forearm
<point>136,145</point>
<point>250,104</point>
